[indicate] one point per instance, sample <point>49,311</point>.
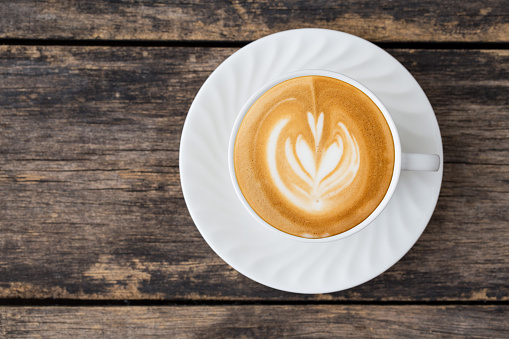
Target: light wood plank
<point>245,20</point>
<point>91,205</point>
<point>296,321</point>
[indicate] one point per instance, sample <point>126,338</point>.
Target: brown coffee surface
<point>314,156</point>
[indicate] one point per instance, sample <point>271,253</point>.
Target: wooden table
<point>95,236</point>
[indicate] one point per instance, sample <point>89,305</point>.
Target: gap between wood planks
<point>237,44</point>
<point>94,303</point>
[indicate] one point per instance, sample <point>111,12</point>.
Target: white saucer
<point>260,254</point>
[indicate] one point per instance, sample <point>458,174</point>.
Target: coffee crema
<point>314,156</point>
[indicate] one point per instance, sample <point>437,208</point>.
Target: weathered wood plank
<point>225,20</point>
<point>91,205</point>
<point>256,321</point>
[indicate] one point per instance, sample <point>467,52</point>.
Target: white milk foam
<point>318,170</point>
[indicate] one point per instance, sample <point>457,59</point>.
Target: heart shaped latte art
<point>319,171</point>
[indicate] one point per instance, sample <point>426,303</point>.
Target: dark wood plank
<point>225,20</point>
<point>309,321</point>
<point>91,205</point>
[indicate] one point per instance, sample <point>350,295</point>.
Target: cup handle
<point>420,162</point>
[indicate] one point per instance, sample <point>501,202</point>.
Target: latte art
<point>314,178</point>
<point>313,156</point>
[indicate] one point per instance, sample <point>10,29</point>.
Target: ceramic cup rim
<point>392,126</point>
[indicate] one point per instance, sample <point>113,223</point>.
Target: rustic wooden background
<point>95,236</point>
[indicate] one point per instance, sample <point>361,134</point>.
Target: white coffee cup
<point>402,161</point>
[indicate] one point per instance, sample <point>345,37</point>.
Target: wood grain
<point>91,205</point>
<point>256,321</point>
<point>245,20</point>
